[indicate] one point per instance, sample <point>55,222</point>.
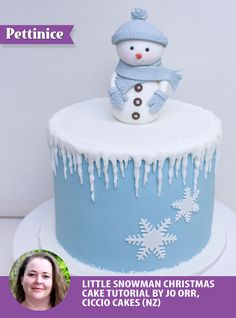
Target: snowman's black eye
<point>147,49</point>
<point>131,48</point>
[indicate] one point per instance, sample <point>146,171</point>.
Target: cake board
<point>36,231</point>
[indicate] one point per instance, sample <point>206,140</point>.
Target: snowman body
<point>135,108</point>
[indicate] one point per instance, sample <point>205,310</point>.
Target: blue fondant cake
<point>133,198</point>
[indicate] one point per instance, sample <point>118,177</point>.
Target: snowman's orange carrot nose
<point>138,55</point>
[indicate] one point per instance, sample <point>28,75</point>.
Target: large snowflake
<point>153,239</point>
<point>186,206</point>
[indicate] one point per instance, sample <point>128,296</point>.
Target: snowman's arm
<point>159,97</point>
<point>113,79</point>
<point>116,97</point>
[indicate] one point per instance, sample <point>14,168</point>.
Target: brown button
<point>138,87</point>
<point>138,101</point>
<point>135,115</point>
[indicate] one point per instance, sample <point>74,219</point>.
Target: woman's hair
<point>59,287</point>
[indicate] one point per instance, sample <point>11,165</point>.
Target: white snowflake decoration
<point>186,206</point>
<point>153,239</point>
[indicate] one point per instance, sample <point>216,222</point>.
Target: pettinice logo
<point>35,34</point>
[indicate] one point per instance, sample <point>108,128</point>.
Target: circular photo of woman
<point>39,280</point>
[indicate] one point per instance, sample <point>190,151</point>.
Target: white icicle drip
<point>192,158</point>
<point>70,159</point>
<point>137,164</point>
<point>115,172</point>
<point>217,155</point>
<point>54,161</point>
<point>177,165</point>
<point>55,150</point>
<point>171,170</point>
<point>202,161</point>
<point>121,162</point>
<point>53,165</point>
<point>160,177</point>
<point>98,165</point>
<point>63,153</point>
<point>91,177</point>
<point>79,164</point>
<point>184,168</point>
<point>105,172</point>
<point>126,162</point>
<point>210,163</point>
<point>74,162</point>
<point>154,166</point>
<point>207,163</point>
<point>147,169</point>
<point>197,163</point>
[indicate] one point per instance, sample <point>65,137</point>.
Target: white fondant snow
<point>90,130</point>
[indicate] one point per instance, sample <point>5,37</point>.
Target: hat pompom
<point>139,14</point>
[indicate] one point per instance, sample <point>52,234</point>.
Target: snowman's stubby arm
<point>113,79</point>
<point>159,97</point>
<point>116,97</point>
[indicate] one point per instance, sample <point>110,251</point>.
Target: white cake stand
<point>218,258</point>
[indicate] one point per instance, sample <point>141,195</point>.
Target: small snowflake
<point>153,239</point>
<point>186,206</point>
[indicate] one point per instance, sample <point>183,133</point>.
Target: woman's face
<point>37,280</point>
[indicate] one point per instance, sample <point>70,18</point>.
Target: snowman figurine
<point>140,84</point>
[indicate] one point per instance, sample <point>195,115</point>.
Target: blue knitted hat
<point>139,29</point>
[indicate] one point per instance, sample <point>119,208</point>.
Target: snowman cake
<point>133,198</point>
<point>139,86</point>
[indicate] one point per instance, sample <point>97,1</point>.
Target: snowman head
<point>139,42</point>
<point>139,52</point>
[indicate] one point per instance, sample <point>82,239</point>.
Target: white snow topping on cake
<point>153,239</point>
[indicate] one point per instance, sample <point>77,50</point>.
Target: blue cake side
<point>121,232</point>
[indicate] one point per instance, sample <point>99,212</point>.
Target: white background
<point>36,81</point>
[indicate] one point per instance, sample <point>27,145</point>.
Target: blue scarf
<point>129,75</point>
